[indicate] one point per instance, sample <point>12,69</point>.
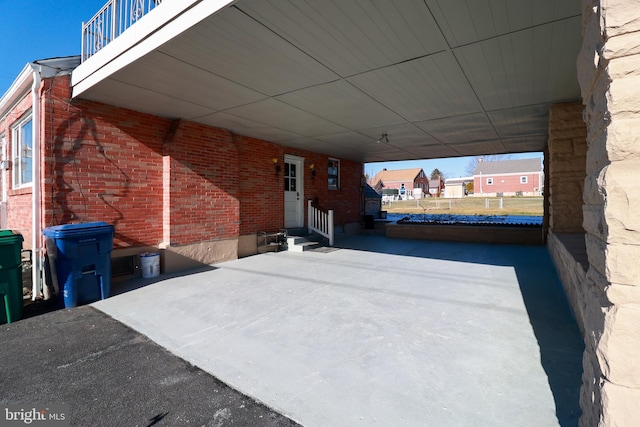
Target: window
<point>3,159</point>
<point>290,175</point>
<point>489,181</point>
<point>22,152</point>
<point>334,174</point>
<point>523,180</point>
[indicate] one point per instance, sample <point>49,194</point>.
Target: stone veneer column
<point>609,74</point>
<point>567,160</point>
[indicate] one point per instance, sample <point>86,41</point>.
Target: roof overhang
<point>441,78</point>
<point>18,90</point>
<point>22,84</point>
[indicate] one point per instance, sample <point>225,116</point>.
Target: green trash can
<point>10,276</point>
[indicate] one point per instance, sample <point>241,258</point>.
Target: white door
<point>293,191</point>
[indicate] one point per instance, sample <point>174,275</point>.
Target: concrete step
<point>301,244</point>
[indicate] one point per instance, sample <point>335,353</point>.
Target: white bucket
<point>150,264</point>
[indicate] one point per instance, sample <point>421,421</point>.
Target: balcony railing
<point>111,21</point>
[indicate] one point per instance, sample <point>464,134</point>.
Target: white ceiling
<point>442,78</point>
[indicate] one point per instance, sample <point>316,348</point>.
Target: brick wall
<point>158,180</point>
<point>18,200</point>
<point>203,185</point>
<point>102,163</point>
<point>423,182</point>
<point>262,193</point>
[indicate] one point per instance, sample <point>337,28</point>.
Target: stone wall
<point>568,254</point>
<point>567,162</point>
<point>610,81</point>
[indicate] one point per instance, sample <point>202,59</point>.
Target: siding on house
<point>394,179</point>
<point>436,186</point>
<point>509,177</point>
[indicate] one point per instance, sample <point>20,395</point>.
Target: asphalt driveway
<point>110,375</point>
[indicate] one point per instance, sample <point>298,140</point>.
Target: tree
<point>469,187</point>
<point>436,173</point>
<point>471,166</point>
<point>370,174</point>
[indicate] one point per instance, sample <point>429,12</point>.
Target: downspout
<point>36,230</point>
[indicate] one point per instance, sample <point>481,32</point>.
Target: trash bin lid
<point>9,237</point>
<point>69,230</point>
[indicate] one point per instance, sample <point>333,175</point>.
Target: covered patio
<point>376,331</point>
<point>382,81</point>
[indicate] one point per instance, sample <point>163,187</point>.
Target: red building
<point>522,177</point>
<point>404,180</point>
<point>198,193</point>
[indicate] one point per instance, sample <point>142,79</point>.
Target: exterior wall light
<point>277,166</point>
<point>312,166</point>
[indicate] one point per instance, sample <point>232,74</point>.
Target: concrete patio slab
<point>377,331</point>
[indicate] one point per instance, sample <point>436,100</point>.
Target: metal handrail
<point>111,21</point>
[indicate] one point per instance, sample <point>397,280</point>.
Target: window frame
<point>331,175</point>
<point>290,176</point>
<point>3,163</point>
<point>489,181</point>
<point>17,132</point>
<point>524,179</point>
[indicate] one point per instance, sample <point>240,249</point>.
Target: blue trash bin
<point>82,261</point>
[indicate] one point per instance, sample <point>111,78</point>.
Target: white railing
<point>320,221</point>
<point>111,21</point>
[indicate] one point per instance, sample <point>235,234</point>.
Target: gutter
<point>40,69</point>
<point>31,76</point>
<point>36,228</point>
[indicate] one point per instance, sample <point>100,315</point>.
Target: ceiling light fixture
<point>383,138</point>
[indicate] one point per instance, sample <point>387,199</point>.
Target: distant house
<point>456,187</point>
<point>372,201</point>
<point>410,183</point>
<point>522,177</point>
<point>436,187</point>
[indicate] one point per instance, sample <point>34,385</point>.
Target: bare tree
<point>369,175</point>
<point>471,166</point>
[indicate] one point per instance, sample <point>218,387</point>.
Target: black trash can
<point>369,222</point>
<point>82,261</point>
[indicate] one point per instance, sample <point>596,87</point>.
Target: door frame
<point>299,162</point>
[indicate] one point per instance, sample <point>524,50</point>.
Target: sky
<point>450,167</point>
<point>39,29</point>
